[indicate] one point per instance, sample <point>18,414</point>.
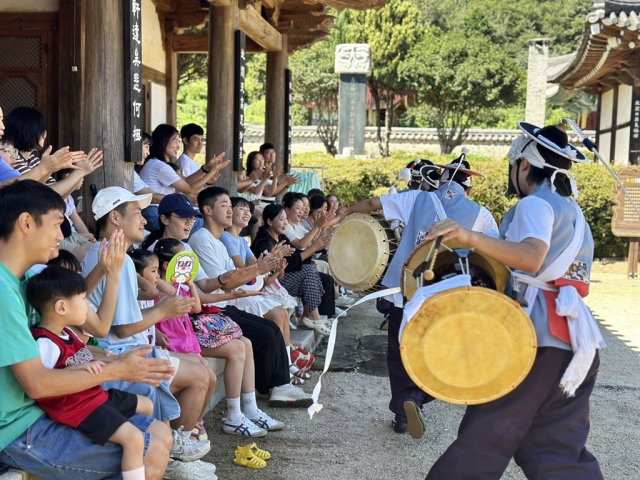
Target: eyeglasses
<point>10,151</point>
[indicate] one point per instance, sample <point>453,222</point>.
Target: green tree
<point>459,78</point>
<point>391,32</point>
<point>192,103</point>
<point>315,85</point>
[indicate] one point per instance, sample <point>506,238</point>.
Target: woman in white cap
<point>544,423</point>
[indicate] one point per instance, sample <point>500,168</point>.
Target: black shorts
<point>103,422</point>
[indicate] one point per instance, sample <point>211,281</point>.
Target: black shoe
<point>399,427</point>
<point>415,423</point>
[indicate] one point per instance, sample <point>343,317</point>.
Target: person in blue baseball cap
<point>177,218</point>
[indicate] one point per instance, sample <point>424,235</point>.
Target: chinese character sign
<point>133,80</point>
<point>288,98</point>
<point>238,129</point>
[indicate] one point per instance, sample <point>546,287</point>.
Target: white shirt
<point>213,256</point>
<point>187,165</point>
<point>138,184</point>
<point>259,196</point>
<point>399,206</point>
<point>533,218</point>
<point>159,176</point>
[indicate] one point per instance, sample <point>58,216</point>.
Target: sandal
<point>199,432</point>
<point>317,325</point>
<point>258,452</point>
<point>297,381</point>
<point>297,372</point>
<point>246,458</point>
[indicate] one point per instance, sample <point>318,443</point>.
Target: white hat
<point>109,198</point>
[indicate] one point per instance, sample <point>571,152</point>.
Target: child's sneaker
<point>243,427</point>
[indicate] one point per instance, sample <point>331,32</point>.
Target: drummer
<point>543,424</point>
<point>416,209</point>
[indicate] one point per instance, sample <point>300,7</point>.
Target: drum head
<point>490,273</point>
<point>359,252</point>
<point>468,345</point>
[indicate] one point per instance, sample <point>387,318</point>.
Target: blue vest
<point>457,207</point>
<point>561,235</point>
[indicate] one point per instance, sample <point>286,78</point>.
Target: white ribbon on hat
<point>523,146</point>
<point>447,175</point>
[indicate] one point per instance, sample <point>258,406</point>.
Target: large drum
<point>360,252</point>
<point>452,258</point>
<point>467,345</point>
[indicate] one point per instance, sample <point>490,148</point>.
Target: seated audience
<point>301,278</point>
<point>220,337</point>
<point>117,208</point>
<point>272,367</point>
<point>59,296</point>
<point>29,234</point>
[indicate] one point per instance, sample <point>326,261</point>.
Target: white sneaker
<point>187,471</point>
<point>338,311</point>
<point>317,325</point>
<point>188,449</point>
<point>290,396</point>
<point>206,467</point>
<point>266,422</point>
<point>344,301</point>
<point>292,325</point>
<point>243,427</point>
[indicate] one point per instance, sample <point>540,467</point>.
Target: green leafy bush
<point>353,180</point>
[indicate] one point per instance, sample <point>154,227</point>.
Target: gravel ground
<point>351,437</point>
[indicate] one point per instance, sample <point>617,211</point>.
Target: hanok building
<point>102,70</point>
<point>606,66</point>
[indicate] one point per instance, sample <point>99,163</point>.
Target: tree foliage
<point>391,32</point>
<point>316,85</point>
<point>458,79</point>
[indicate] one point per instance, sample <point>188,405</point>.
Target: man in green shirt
<point>29,234</point>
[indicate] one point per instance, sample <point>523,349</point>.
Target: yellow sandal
<point>249,460</point>
<point>253,448</point>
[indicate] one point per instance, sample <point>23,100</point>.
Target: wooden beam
<point>220,3</point>
<point>171,69</point>
<point>223,23</point>
<point>153,75</point>
<point>259,30</point>
<point>70,74</point>
<point>104,98</point>
<point>275,127</point>
<point>200,44</point>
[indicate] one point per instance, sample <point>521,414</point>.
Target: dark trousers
<point>328,304</point>
<point>539,427</point>
<point>402,387</point>
<point>269,351</point>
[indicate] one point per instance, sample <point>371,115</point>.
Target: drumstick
<point>428,275</point>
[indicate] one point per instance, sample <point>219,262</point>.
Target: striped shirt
<point>23,165</point>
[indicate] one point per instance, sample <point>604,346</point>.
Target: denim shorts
<point>165,405</point>
<point>54,451</point>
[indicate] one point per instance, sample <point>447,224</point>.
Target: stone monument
<point>537,81</point>
<point>353,63</point>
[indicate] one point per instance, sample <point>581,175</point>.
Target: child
<point>217,336</point>
<point>81,239</point>
<point>59,296</point>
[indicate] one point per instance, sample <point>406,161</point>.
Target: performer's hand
<point>449,230</point>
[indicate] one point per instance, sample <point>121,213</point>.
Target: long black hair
<point>250,158</point>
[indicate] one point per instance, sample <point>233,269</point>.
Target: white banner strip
<point>316,407</point>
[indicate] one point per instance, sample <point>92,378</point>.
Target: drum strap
<point>437,204</point>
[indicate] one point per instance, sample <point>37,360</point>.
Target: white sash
<point>583,329</point>
<point>437,204</point>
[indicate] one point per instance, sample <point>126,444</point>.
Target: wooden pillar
<point>223,22</point>
<point>632,265</point>
<point>104,110</point>
<point>71,73</point>
<point>274,131</point>
<point>171,74</point>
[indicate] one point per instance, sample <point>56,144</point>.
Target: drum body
<point>468,345</point>
<point>490,273</point>
<point>360,251</point>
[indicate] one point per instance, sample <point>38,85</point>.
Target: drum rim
<point>372,282</point>
<point>528,327</point>
<point>426,245</point>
